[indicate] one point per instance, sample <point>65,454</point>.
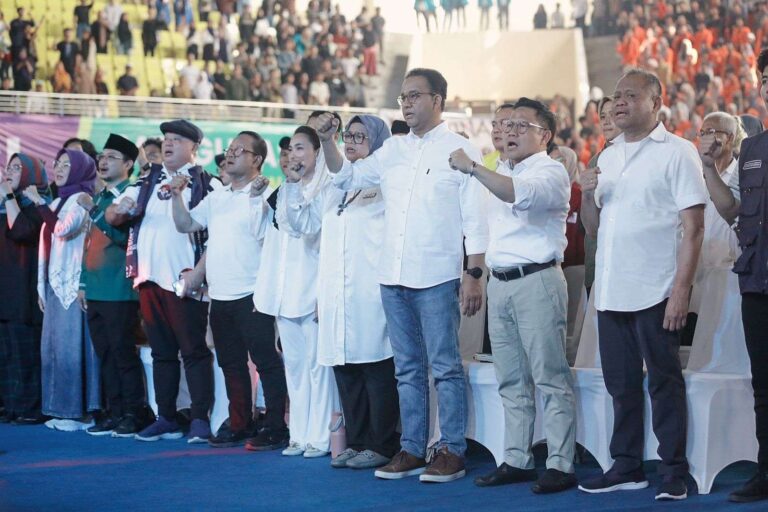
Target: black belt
<point>522,271</point>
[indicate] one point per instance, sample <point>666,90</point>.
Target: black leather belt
<point>522,271</point>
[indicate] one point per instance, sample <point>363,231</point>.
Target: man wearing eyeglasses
<point>157,256</point>
<point>109,300</point>
<point>235,241</point>
<point>647,199</point>
<point>429,210</point>
<point>493,159</point>
<point>527,296</point>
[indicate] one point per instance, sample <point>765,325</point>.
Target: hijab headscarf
<point>32,173</point>
<point>378,131</point>
<point>82,174</point>
<point>570,162</point>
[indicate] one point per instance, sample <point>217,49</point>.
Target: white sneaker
<point>72,425</point>
<point>311,452</point>
<point>293,449</point>
<point>51,424</point>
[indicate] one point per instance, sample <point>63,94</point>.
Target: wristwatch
<point>9,196</point>
<point>147,166</point>
<point>475,272</point>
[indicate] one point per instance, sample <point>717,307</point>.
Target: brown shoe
<point>444,467</point>
<point>402,465</point>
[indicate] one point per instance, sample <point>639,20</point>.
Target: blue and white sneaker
<point>199,432</point>
<point>160,429</point>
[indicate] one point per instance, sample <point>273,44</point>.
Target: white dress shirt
<point>286,283</point>
<point>429,207</point>
<point>163,252</point>
<point>640,227</point>
<point>352,326</point>
<point>235,240</point>
<point>532,229</point>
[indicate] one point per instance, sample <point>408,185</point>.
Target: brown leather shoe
<point>444,467</point>
<point>402,465</point>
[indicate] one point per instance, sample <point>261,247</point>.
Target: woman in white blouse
<point>286,288</point>
<point>353,336</point>
<point>70,369</point>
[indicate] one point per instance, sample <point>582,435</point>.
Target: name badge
<point>752,164</point>
<point>370,195</point>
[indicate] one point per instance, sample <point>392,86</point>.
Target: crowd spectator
<point>82,17</point>
<point>540,18</point>
<point>68,50</point>
<point>124,36</point>
<point>149,29</point>
<point>127,84</point>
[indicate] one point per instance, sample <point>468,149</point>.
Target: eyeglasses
<point>521,127</point>
<point>356,137</point>
<point>712,131</point>
<point>412,97</point>
<point>62,164</point>
<point>236,152</point>
<point>13,168</point>
<point>111,158</point>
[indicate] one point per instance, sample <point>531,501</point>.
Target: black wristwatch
<point>475,272</point>
<point>147,166</point>
<point>9,196</point>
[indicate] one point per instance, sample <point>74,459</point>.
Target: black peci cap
<point>123,145</point>
<point>184,128</point>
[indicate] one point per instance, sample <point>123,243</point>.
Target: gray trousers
<point>527,323</point>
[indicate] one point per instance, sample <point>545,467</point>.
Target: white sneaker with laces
<point>293,449</point>
<point>72,425</point>
<point>311,452</point>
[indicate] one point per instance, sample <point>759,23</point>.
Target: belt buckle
<point>521,270</point>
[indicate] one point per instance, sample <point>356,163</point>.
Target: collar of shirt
<point>184,169</point>
<point>658,134</point>
<point>245,190</point>
<point>433,134</point>
<point>117,189</point>
<point>529,162</point>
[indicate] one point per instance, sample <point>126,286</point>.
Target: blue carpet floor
<point>41,469</point>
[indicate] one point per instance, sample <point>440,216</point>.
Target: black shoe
<point>612,480</point>
<point>754,490</point>
<point>21,421</point>
<point>552,481</point>
<point>6,417</point>
<point>228,439</point>
<point>672,488</point>
<point>506,474</point>
<point>103,428</point>
<point>130,425</point>
<point>268,439</point>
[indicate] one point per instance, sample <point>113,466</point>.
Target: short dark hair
<point>152,141</point>
<point>400,126</point>
<point>436,82</point>
<point>284,143</point>
<point>543,115</point>
<point>762,61</point>
<point>88,147</point>
<point>602,102</point>
<point>311,133</point>
<point>258,144</point>
<point>503,106</point>
<point>650,79</point>
<point>318,113</point>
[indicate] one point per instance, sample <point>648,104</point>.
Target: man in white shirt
<point>429,211</point>
<point>558,20</point>
<point>233,254</point>
<point>527,297</point>
<point>647,196</point>
<point>157,256</point>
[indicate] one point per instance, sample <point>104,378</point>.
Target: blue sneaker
<point>199,432</point>
<point>161,429</point>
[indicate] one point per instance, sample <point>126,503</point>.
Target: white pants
<point>311,387</point>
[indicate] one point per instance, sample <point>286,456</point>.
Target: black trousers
<point>112,326</point>
<point>754,315</point>
<point>237,331</point>
<point>176,325</point>
<point>369,399</point>
<point>626,339</point>
<point>20,368</point>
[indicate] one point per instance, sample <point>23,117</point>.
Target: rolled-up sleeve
<point>548,189</point>
<point>365,173</point>
<point>474,214</point>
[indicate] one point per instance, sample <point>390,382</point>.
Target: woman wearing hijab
<point>573,261</point>
<point>352,328</point>
<point>70,369</point>
<point>286,288</point>
<point>20,318</point>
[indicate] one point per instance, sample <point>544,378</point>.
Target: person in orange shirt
<point>703,37</point>
<point>740,33</point>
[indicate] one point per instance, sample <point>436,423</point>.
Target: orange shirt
<point>702,38</point>
<point>740,36</point>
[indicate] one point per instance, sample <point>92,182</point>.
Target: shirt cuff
<point>340,178</point>
<point>476,244</point>
<point>690,200</point>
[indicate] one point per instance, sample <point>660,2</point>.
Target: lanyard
<point>345,203</point>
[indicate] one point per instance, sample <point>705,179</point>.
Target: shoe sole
<point>293,454</point>
<point>387,475</point>
<point>124,436</point>
<point>171,435</point>
<point>315,455</point>
<point>367,465</point>
<point>197,440</point>
<point>441,479</point>
<point>746,499</point>
<point>100,434</point>
<point>230,444</point>
<point>628,486</point>
<point>671,497</point>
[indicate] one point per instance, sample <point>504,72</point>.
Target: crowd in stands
<point>270,53</point>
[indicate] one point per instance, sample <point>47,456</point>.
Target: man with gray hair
<point>647,186</point>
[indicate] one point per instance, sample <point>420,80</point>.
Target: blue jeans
<point>423,327</point>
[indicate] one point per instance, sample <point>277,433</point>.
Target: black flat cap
<point>219,158</point>
<point>184,128</point>
<point>123,145</point>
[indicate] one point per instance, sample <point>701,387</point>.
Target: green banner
<point>217,136</point>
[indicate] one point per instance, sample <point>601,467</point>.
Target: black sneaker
<point>129,425</point>
<point>268,439</point>
<point>672,488</point>
<point>754,490</point>
<point>228,439</point>
<point>103,428</point>
<point>612,480</point>
<point>553,480</point>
